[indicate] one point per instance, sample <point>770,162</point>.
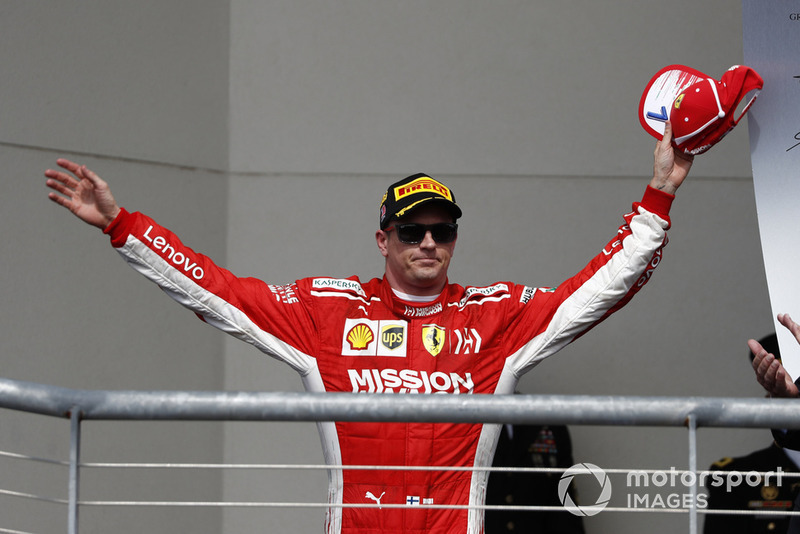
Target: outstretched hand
<point>83,193</point>
<point>670,166</point>
<point>769,371</point>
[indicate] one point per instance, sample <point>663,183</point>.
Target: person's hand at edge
<point>83,193</point>
<point>769,372</point>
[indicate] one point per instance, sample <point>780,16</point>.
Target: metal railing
<point>690,412</point>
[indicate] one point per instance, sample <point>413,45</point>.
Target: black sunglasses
<point>414,233</point>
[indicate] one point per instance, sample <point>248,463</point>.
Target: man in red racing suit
<point>409,332</point>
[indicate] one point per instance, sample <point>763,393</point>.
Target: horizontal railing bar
<point>251,504</point>
<point>521,508</point>
<point>17,456</point>
<point>463,408</point>
<point>326,467</point>
<point>32,496</point>
<point>9,531</point>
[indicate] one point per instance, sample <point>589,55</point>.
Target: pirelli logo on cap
<point>420,185</point>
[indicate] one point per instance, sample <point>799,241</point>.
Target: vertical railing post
<point>74,470</point>
<point>691,422</point>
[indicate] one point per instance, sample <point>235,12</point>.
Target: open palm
<point>83,193</point>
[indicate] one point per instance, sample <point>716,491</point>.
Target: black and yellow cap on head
<point>409,193</point>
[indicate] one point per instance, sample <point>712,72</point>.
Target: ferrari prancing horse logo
<point>433,338</point>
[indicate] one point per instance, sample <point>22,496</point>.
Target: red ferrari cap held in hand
<point>701,109</point>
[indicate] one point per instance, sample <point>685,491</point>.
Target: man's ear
<point>382,238</point>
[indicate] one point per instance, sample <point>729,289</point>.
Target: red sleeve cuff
<point>657,202</point>
<point>117,229</point>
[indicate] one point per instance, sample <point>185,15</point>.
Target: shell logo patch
<point>360,336</point>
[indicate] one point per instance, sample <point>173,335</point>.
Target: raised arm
<point>670,166</point>
<point>83,193</point>
<point>769,371</point>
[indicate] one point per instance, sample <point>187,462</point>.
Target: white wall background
<point>264,133</point>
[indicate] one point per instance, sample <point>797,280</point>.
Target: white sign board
<point>771,37</point>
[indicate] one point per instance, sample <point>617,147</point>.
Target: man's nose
<point>428,241</point>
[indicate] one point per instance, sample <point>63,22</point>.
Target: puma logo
<point>369,495</point>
